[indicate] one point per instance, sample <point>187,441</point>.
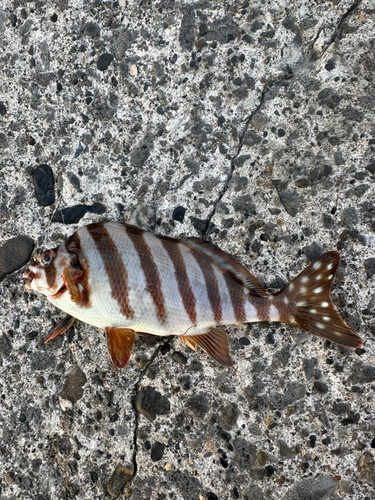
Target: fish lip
<point>30,275</point>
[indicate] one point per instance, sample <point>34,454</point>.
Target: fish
<point>130,282</point>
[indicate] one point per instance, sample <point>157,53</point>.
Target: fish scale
<point>128,281</point>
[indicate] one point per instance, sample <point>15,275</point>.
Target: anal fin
<point>62,326</point>
<point>215,343</point>
<point>120,342</point>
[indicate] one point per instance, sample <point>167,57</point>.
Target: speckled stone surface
<point>247,123</point>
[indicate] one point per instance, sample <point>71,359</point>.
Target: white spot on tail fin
<point>274,314</point>
<point>329,266</point>
<point>319,277</point>
<point>326,318</point>
<point>270,297</point>
<point>318,290</point>
<point>291,286</point>
<point>304,279</point>
<point>324,304</point>
<point>313,311</point>
<point>286,300</point>
<point>303,289</point>
<point>301,303</point>
<point>330,277</point>
<point>320,326</point>
<point>317,265</point>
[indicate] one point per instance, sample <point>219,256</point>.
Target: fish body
<point>128,281</point>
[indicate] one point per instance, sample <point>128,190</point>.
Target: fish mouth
<point>30,275</point>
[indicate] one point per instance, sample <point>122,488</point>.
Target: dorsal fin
<point>227,264</point>
<point>215,343</point>
<point>120,343</point>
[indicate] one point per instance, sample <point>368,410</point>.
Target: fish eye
<point>47,258</point>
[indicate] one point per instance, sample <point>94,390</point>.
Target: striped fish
<point>129,281</point>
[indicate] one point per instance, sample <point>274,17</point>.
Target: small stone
<point>371,168</point>
<point>9,477</point>
<point>32,335</point>
<point>330,65</point>
<point>208,445</point>
<point>13,20</point>
<point>133,70</point>
<point>92,29</point>
<point>228,416</point>
<point>349,217</point>
<point>3,140</point>
<point>168,466</point>
<point>104,61</point>
<point>151,403</point>
<point>313,488</point>
<point>3,109</point>
<point>179,214</point>
<point>198,405</point>
<point>44,185</point>
<point>118,480</point>
<point>73,385</point>
<point>369,265</point>
<point>321,387</point>
<point>285,450</point>
<point>54,18</point>
<point>157,451</point>
<point>353,419</point>
<point>179,357</point>
<point>366,466</point>
<point>70,215</point>
<point>14,254</point>
<point>313,250</point>
<point>262,458</point>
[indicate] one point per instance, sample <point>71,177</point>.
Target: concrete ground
<point>248,123</point>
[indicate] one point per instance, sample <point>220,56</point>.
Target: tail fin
<point>306,302</point>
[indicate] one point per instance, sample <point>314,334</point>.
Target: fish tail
<point>306,302</point>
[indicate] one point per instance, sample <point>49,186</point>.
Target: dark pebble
<point>179,214</point>
<point>44,185</point>
<point>244,341</point>
<point>330,65</point>
<point>54,18</point>
<point>198,404</point>
<point>3,140</point>
<point>349,217</point>
<point>179,357</point>
<point>353,419</point>
<point>321,387</point>
<point>269,471</point>
<point>118,480</point>
<point>3,109</point>
<point>371,168</point>
<point>104,61</point>
<point>13,20</point>
<point>281,132</point>
<point>373,443</point>
<point>151,403</point>
<point>312,251</point>
<point>14,254</point>
<point>72,215</point>
<point>220,120</point>
<point>211,496</point>
<point>32,335</point>
<point>22,417</point>
<point>157,451</point>
<point>92,29</point>
<point>73,385</point>
<point>312,441</point>
<point>326,441</point>
<point>369,265</point>
<point>224,463</point>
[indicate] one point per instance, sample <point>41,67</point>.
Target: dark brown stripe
<point>262,306</point>
<point>150,271</point>
<point>237,297</point>
<point>182,278</point>
<point>51,275</point>
<point>211,283</point>
<point>113,265</point>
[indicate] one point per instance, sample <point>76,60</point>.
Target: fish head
<point>45,274</point>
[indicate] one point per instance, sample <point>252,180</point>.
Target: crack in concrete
<point>232,160</point>
<point>337,31</point>
<point>136,391</point>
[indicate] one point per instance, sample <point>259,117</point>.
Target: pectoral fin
<point>72,288</point>
<point>120,342</point>
<point>62,326</point>
<point>215,343</point>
